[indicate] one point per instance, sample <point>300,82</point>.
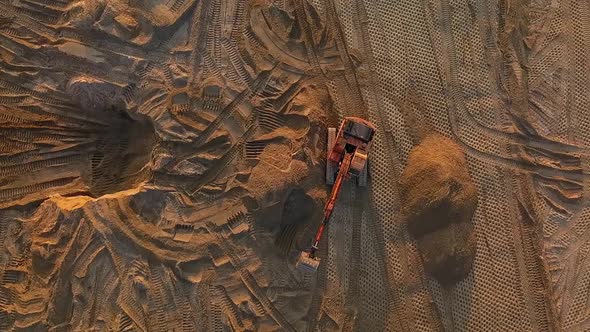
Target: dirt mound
<point>438,200</point>
<point>448,252</point>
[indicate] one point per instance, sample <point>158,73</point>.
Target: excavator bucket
<point>306,263</point>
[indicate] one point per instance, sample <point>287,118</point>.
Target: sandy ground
<point>162,165</point>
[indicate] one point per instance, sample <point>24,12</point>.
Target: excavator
<point>347,157</point>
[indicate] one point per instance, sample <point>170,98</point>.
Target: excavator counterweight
<point>347,157</point>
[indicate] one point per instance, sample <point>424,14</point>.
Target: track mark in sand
<point>259,84</point>
<point>526,237</point>
<point>253,286</point>
<point>228,307</point>
<point>212,173</point>
<point>301,17</point>
<point>385,136</point>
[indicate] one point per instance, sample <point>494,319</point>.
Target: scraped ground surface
<point>153,154</point>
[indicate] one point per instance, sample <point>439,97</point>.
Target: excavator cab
<point>354,137</point>
<point>347,155</point>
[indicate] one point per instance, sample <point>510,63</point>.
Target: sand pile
<point>438,200</point>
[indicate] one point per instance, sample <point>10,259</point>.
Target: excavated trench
<point>75,154</point>
<point>121,155</point>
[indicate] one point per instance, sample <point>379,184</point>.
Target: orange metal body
<point>329,208</point>
<point>350,153</point>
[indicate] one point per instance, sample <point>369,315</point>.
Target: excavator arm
<point>348,150</point>
<point>343,173</point>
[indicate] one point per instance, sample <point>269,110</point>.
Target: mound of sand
<point>448,252</point>
<point>438,201</point>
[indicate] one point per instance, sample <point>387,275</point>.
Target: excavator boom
<point>329,207</point>
<point>348,151</point>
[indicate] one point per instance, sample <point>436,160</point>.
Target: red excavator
<point>347,156</point>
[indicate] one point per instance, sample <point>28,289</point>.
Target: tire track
<point>212,173</point>
<point>402,315</point>
<point>526,250</point>
<point>345,85</point>
<point>14,194</point>
<point>312,52</point>
<point>259,84</point>
<point>253,286</point>
<point>352,88</point>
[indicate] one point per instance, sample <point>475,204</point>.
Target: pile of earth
<point>438,200</point>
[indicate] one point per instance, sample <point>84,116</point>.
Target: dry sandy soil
<point>162,165</point>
